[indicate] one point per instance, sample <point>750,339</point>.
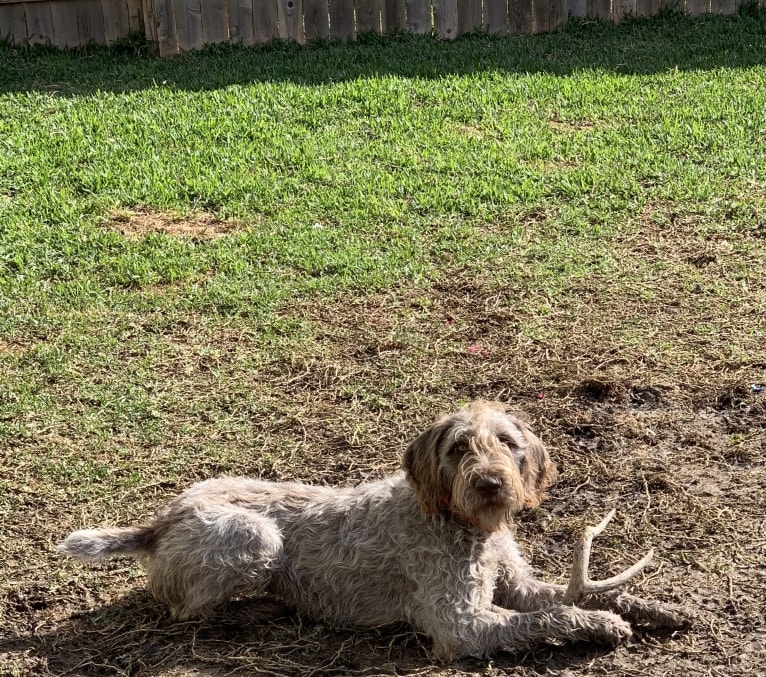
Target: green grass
<point>350,168</point>
<point>346,169</point>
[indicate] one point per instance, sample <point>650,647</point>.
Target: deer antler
<point>579,583</point>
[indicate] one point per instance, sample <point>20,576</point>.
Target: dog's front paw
<point>669,616</point>
<point>603,627</point>
<point>607,628</point>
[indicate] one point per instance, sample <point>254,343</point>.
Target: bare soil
<point>676,443</point>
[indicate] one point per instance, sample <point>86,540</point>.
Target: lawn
<point>285,262</point>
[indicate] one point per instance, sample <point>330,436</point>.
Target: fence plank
<point>17,25</point>
<point>13,24</point>
<point>521,16</point>
<point>316,18</point>
<point>215,26</point>
<point>394,15</point>
<point>241,28</point>
<point>542,16</point>
<point>187,15</point>
<point>40,23</point>
<point>290,17</point>
<point>135,16</point>
<point>342,26</point>
<point>445,18</point>
<point>599,9</point>
<point>368,16</point>
<point>560,13</point>
<point>165,27</point>
<point>150,26</point>
<point>496,17</point>
<point>116,19</point>
<point>418,16</point>
<point>247,12</point>
<point>233,20</point>
<point>65,33</point>
<point>697,7</point>
<point>265,21</point>
<point>579,8</point>
<point>469,16</point>
<point>645,7</point>
<point>623,8</point>
<point>90,22</point>
<point>726,6</point>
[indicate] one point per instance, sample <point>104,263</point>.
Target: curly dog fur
<point>432,546</point>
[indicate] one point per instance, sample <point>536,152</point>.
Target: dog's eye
<point>458,449</point>
<point>507,441</point>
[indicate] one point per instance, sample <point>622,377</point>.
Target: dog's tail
<point>96,544</point>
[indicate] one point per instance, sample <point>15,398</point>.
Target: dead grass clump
<point>198,226</point>
<point>572,126</point>
<point>12,348</point>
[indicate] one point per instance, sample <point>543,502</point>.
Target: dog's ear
<point>421,463</point>
<point>537,470</point>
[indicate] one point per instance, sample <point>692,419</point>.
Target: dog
<point>431,545</point>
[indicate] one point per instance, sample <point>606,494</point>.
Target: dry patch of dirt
<point>12,348</point>
<point>199,226</point>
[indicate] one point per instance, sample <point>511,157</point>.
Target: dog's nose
<point>489,485</point>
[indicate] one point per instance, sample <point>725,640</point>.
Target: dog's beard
<point>489,513</point>
<point>491,516</point>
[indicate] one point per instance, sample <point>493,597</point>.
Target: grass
<point>263,261</point>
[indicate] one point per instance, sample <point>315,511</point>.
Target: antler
<point>579,583</point>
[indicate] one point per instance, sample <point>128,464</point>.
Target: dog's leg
<point>527,594</point>
<point>212,554</point>
<point>516,589</point>
<point>646,612</point>
<point>496,629</point>
<point>524,593</point>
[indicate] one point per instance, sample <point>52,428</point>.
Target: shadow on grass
<point>637,46</point>
<point>134,636</point>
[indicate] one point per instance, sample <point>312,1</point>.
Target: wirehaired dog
<point>432,546</point>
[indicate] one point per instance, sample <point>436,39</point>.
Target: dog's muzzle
<point>489,486</point>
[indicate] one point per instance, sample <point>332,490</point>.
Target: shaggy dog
<point>432,546</point>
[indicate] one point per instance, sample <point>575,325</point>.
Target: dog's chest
<point>480,566</point>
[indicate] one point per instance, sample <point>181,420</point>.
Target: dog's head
<point>479,464</point>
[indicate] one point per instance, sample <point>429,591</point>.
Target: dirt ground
<point>678,448</point>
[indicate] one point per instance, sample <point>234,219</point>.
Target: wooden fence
<point>69,23</point>
<point>174,26</point>
<point>188,24</point>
